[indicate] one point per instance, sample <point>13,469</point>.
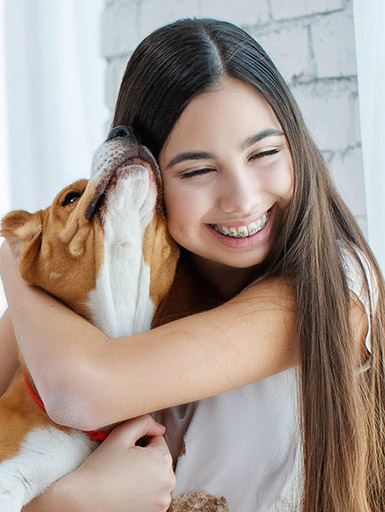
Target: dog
<point>103,249</point>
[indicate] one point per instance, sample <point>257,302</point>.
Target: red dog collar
<point>94,435</point>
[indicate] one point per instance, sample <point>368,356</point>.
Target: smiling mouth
<point>243,231</point>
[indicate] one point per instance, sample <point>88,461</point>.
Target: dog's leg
<point>11,492</point>
<point>46,455</point>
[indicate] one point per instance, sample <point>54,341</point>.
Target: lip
<point>247,242</point>
<point>239,223</point>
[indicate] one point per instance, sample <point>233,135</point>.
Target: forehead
<point>233,110</point>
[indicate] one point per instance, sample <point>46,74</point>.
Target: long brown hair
<point>343,410</point>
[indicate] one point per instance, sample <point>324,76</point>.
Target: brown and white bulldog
<point>102,248</point>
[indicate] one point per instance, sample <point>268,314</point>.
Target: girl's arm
<point>88,381</point>
<point>8,352</point>
<point>117,476</point>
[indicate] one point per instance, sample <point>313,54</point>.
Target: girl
<point>250,201</point>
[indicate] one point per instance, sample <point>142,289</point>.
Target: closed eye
<point>262,154</point>
<point>198,172</point>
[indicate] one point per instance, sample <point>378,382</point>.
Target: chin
<point>246,261</point>
<point>239,263</point>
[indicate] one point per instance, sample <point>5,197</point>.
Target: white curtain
<point>369,20</point>
<point>54,79</point>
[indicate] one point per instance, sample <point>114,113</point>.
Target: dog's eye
<point>71,198</point>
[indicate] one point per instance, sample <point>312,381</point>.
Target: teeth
<point>233,232</point>
<point>252,228</point>
<point>243,231</point>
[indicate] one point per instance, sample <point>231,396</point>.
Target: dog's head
<point>113,215</point>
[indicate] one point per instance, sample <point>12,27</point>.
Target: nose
<point>122,131</point>
<point>240,193</point>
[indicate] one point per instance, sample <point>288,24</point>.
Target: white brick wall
<point>333,40</point>
<point>240,13</point>
<point>345,167</point>
<point>330,113</point>
<point>119,28</point>
<point>155,13</point>
<point>290,50</point>
<point>312,44</point>
<point>287,9</point>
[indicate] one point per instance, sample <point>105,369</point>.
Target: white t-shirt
<point>245,444</point>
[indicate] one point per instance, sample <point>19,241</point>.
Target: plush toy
<point>199,501</point>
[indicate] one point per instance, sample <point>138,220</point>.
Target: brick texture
<point>119,28</point>
<point>332,41</point>
<point>345,167</point>
<point>330,113</point>
<point>290,50</point>
<point>283,9</point>
<point>155,13</point>
<point>310,41</point>
<point>240,13</point>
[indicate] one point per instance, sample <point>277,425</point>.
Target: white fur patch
<point>120,303</point>
<point>46,455</point>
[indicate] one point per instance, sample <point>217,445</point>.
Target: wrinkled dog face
<point>61,248</point>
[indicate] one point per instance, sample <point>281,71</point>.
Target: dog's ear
<point>20,226</point>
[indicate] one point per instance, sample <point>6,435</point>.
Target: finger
<point>143,426</point>
<point>158,442</point>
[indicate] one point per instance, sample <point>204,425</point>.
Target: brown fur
<point>51,244</point>
<point>19,416</point>
<point>47,243</point>
<point>161,255</point>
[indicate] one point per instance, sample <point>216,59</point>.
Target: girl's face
<point>228,176</point>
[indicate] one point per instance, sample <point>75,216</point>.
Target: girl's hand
<point>8,264</point>
<point>8,346</point>
<point>120,476</point>
<point>8,352</point>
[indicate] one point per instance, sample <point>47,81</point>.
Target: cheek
<point>188,206</point>
<point>180,209</point>
<point>287,186</point>
<point>172,201</point>
<point>282,183</point>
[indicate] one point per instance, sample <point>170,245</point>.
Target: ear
<point>19,227</point>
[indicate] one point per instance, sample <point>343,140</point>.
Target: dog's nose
<point>122,131</point>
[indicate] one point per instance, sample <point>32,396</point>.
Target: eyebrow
<point>259,136</point>
<point>201,155</point>
<point>190,155</point>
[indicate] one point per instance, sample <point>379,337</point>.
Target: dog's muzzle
<point>120,148</point>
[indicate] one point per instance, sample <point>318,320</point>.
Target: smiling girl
<point>288,370</point>
<point>227,203</point>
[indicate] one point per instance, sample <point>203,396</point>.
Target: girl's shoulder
<point>361,280</point>
<point>360,274</point>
